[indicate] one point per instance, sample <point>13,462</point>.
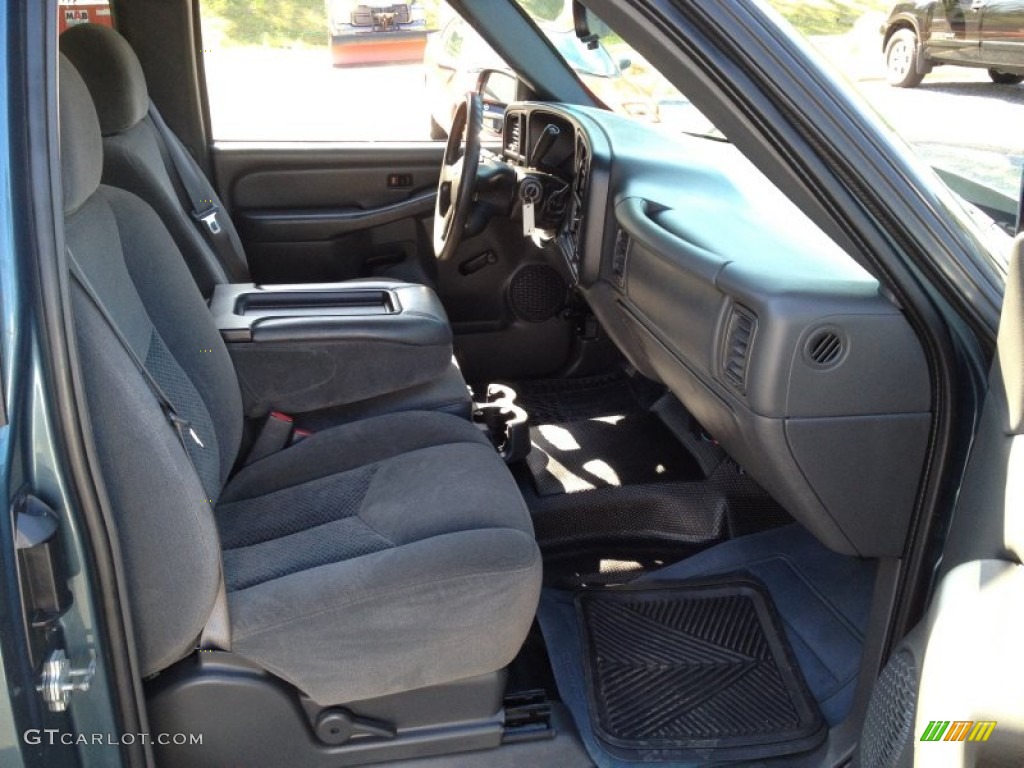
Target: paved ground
<point>962,122</point>
<point>957,117</point>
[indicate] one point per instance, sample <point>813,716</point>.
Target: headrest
<point>112,71</point>
<point>81,146</point>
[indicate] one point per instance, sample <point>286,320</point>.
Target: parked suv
<point>969,33</point>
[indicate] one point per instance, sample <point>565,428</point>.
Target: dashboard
<point>709,280</point>
<point>566,159</point>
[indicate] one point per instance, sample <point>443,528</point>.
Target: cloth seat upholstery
<point>376,557</point>
<point>136,158</point>
<point>352,528</point>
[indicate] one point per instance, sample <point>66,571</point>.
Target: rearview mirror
<point>497,89</point>
<point>581,19</point>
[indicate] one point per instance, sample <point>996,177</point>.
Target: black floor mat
<point>693,671</point>
<point>550,401</point>
<point>606,451</point>
<point>680,515</point>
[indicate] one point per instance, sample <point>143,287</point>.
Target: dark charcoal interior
<point>342,555</point>
<point>660,490</point>
<point>707,522</point>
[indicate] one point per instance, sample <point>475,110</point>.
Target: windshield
<point>954,94</point>
<point>631,86</point>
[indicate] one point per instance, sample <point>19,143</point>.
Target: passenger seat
<point>372,559</point>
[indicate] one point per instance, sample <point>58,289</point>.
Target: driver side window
<point>301,70</point>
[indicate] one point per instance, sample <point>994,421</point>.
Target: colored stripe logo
<point>959,730</point>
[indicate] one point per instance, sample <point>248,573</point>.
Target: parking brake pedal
<point>527,717</point>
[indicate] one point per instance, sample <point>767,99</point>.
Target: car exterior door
<point>953,32</point>
<point>1002,34</point>
<point>950,694</point>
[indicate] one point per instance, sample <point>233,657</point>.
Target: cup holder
<point>504,421</point>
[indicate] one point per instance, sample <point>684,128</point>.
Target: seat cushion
<point>385,555</point>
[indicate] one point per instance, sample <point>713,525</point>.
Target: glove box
<point>302,348</point>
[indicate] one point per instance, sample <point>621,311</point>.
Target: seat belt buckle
<point>209,218</point>
<point>298,435</point>
<point>275,434</point>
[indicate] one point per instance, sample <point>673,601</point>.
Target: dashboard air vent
<point>514,137</point>
<point>621,256</point>
<point>582,168</point>
<point>824,348</point>
<point>739,337</point>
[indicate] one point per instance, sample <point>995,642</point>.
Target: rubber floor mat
<point>693,671</point>
<point>606,451</point>
<point>559,400</point>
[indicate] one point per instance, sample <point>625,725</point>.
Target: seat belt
<point>181,425</point>
<point>275,434</point>
<point>199,193</point>
<point>217,632</point>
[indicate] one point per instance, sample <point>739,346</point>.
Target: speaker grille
<point>890,718</point>
<point>537,293</point>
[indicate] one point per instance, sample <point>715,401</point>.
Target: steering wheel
<point>458,176</point>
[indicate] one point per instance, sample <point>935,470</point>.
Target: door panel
<point>952,693</point>
<point>954,30</point>
<point>322,212</point>
<point>492,289</point>
<point>314,175</point>
<point>319,224</point>
<point>1002,33</point>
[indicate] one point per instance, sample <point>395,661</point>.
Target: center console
<point>310,347</point>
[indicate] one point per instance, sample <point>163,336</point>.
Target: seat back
<point>137,156</point>
<point>160,492</point>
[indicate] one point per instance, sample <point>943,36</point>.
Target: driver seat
<point>137,157</point>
